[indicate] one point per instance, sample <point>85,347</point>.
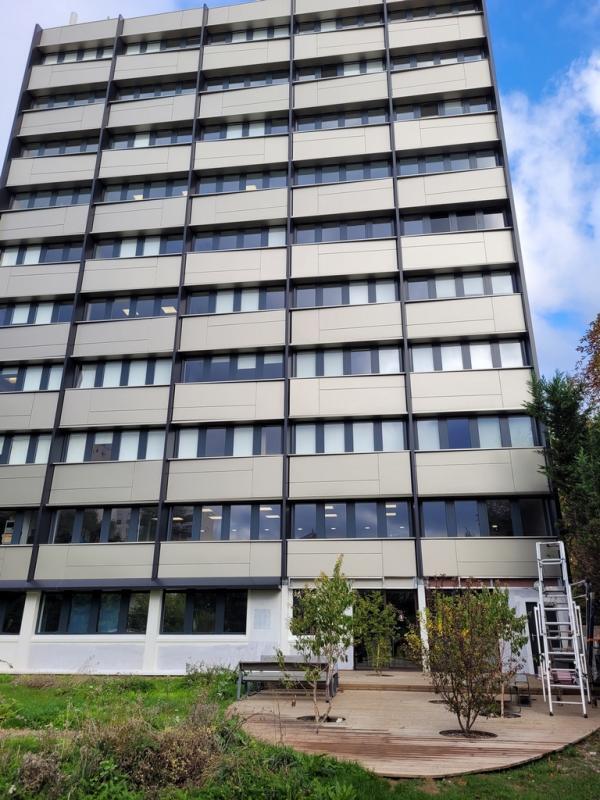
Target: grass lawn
<point>133,738</point>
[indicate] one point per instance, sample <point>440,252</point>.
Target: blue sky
<point>548,62</point>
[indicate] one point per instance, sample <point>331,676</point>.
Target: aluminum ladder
<point>559,631</point>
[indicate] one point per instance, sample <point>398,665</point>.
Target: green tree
<point>464,631</point>
<point>322,625</point>
<point>572,428</point>
<point>588,366</point>
<point>375,625</point>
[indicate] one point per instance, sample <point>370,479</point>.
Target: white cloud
<point>556,179</point>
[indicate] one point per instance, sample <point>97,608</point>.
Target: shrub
<point>40,773</point>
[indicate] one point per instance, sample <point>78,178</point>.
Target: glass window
<point>64,524</point>
<point>459,436</point>
<point>270,442</point>
<point>481,356</point>
<point>174,612</point>
<point>473,284</point>
<point>269,522</point>
<point>129,446</point>
<point>493,219</point>
<point>306,364</point>
<point>204,614</point>
<point>240,522</point>
<point>305,437</point>
<point>533,518</point>
<point>91,525</point>
<point>422,358</point>
<point>385,291</point>
<point>50,615</point>
<point>428,434</point>
<point>389,360</point>
<point>489,432</point>
<point>360,362</point>
<point>502,283</point>
<point>445,287</point>
<point>451,357</point>
<point>235,612</point>
<point>80,612</point>
<point>434,518</point>
<point>335,520</point>
<point>181,523</point>
<point>305,521</point>
<point>120,520</point>
<point>365,520</point>
<point>511,354</point>
<point>215,442</point>
<point>521,431</point>
<point>211,523</point>
<point>397,520</point>
<point>13,613</point>
<point>467,518</point>
<point>499,517</point>
<point>332,296</point>
<point>359,293</point>
<point>334,437</point>
<point>137,613</point>
<point>466,221</point>
<point>392,434</point>
<point>147,525</point>
<point>243,438</point>
<point>418,290</point>
<point>333,362</point>
<point>363,437</point>
<point>108,615</point>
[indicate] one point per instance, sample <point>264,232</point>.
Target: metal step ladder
<point>559,631</point>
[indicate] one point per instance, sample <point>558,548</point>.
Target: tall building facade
<point>262,304</point>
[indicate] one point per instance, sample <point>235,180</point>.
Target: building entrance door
<point>405,603</point>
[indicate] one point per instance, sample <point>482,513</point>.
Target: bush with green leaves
<point>375,624</point>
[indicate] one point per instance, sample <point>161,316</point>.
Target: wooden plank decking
<point>396,733</point>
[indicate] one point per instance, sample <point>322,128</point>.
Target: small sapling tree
<point>375,625</point>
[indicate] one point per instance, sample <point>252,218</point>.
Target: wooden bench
<point>271,671</point>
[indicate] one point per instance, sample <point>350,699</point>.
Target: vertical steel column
<point>57,438</point>
<point>416,519</point>
<point>169,449</point>
<point>286,512</point>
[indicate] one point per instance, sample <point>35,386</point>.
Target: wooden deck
<point>395,733</point>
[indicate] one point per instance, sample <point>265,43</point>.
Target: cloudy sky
<point>548,61</point>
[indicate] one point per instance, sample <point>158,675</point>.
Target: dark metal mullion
<point>56,441</point>
<point>403,299</point>
<point>161,532</point>
<point>286,526</point>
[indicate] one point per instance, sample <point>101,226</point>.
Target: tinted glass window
<point>434,518</point>
<point>499,517</point>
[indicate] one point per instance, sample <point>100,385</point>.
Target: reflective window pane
<point>305,521</point>
<point>467,518</point>
<point>211,522</point>
<point>239,526</point>
<point>434,518</point>
<point>365,520</point>
<point>335,520</point>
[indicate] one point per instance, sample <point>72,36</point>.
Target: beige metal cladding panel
<point>21,485</point>
<point>357,395</point>
<point>266,204</point>
<point>162,23</point>
<point>219,559</point>
<point>446,131</point>
<point>457,250</point>
<point>126,405</point>
<point>216,479</point>
<point>469,472</point>
<point>346,324</point>
<point>39,279</point>
<point>344,198</point>
<point>333,91</point>
<point>477,390</point>
<point>106,482</point>
<point>367,41</point>
<point>14,563</point>
<point>140,215</point>
<point>449,78</point>
<point>76,119</point>
<point>144,161</point>
<point>479,558</point>
<point>148,112</point>
<point>465,316</point>
<point>260,100</point>
<point>222,331</point>
<point>436,31</point>
<point>125,337</point>
<point>373,558</point>
<point>218,402</point>
<point>53,169</point>
<point>33,342</point>
<point>241,152</point>
<point>63,221</point>
<point>350,475</point>
<point>478,185</point>
<point>62,75</point>
<point>251,12</point>
<point>317,6</point>
<point>344,258</point>
<point>246,54</point>
<point>154,65</point>
<point>94,561</point>
<point>28,410</point>
<point>341,142</point>
<point>124,274</point>
<point>81,33</point>
<point>240,266</point>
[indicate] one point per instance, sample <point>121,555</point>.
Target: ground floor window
<point>93,612</point>
<point>11,612</point>
<point>205,612</point>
